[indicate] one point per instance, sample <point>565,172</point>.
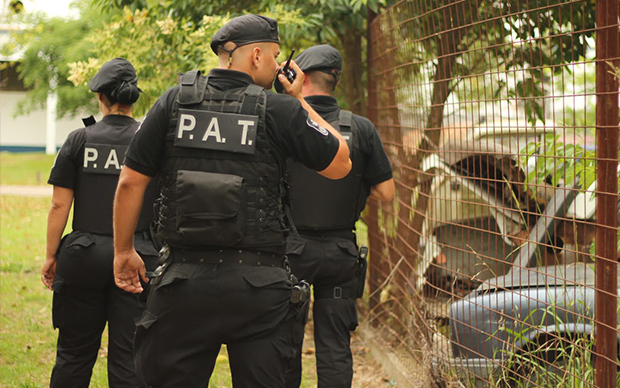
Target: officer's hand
<point>128,268</point>
<point>48,271</point>
<point>294,89</point>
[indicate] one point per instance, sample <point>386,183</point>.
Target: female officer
<point>78,268</point>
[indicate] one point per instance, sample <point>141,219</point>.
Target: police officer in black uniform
<point>80,273</point>
<point>220,145</point>
<point>325,212</point>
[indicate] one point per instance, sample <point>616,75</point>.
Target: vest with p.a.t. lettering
<point>321,204</point>
<point>103,158</point>
<point>102,155</point>
<point>221,181</point>
<point>216,131</point>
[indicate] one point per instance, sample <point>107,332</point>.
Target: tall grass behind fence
<point>494,266</point>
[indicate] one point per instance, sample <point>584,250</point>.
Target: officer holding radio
<point>325,212</point>
<point>219,144</point>
<point>78,268</point>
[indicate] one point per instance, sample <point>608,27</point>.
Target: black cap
<point>246,29</point>
<point>322,57</point>
<point>113,73</point>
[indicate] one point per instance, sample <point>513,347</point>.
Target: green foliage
<point>341,23</point>
<point>161,38</point>
<point>322,16</point>
<point>158,47</point>
<point>50,45</point>
<point>489,48</point>
<point>558,163</point>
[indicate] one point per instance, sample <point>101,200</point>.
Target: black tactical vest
<point>221,183</point>
<point>102,156</point>
<point>322,204</point>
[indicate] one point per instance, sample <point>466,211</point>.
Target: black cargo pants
<point>85,299</point>
<point>206,299</point>
<point>330,265</point>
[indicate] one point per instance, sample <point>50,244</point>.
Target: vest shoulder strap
<point>192,88</point>
<point>345,119</point>
<point>346,124</point>
<point>251,95</point>
<point>88,121</point>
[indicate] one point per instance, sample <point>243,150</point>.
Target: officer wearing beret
<point>219,144</point>
<point>78,268</point>
<point>325,212</point>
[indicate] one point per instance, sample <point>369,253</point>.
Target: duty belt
<point>229,256</point>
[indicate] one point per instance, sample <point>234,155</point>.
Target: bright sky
<point>51,7</point>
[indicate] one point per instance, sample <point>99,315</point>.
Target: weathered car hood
<point>578,274</point>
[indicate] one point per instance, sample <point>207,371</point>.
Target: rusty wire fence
<point>496,264</point>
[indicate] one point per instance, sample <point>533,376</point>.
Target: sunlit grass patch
<point>25,168</point>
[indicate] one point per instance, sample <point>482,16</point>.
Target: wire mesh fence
<point>496,264</point>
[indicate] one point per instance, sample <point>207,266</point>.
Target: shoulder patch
<point>313,124</point>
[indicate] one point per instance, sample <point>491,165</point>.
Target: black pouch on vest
<point>210,208</point>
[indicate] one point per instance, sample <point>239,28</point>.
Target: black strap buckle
<point>337,292</point>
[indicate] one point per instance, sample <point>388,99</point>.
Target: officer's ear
<point>256,55</point>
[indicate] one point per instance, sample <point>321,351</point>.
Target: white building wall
<point>29,130</point>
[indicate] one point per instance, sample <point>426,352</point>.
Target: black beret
<point>322,57</point>
<point>113,73</point>
<point>246,29</point>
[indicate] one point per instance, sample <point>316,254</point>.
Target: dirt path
<point>26,191</point>
<point>366,371</point>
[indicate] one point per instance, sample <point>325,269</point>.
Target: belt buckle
<point>337,292</point>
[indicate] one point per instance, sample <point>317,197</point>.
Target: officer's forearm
<point>57,218</point>
<point>383,191</point>
<point>127,206</point>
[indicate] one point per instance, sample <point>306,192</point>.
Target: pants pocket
<point>58,311</point>
<point>352,316</point>
<point>86,261</point>
<point>285,347</point>
<point>144,347</point>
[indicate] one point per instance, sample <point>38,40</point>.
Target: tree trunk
<point>448,49</point>
<point>351,79</point>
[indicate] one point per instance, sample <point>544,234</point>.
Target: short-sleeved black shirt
<point>287,124</point>
<point>378,167</point>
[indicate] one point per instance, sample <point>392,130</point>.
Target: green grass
<point>25,168</point>
<point>27,338</point>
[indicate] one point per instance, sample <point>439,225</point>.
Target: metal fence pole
<point>372,217</point>
<point>607,192</point>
